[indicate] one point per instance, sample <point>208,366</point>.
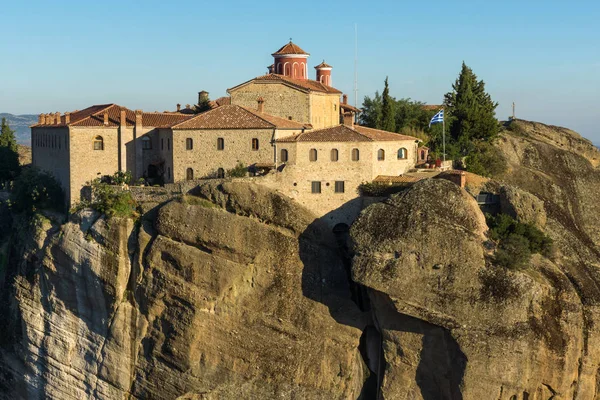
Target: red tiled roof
<point>221,101</point>
<point>344,133</point>
<point>94,116</point>
<point>236,117</point>
<point>306,85</point>
<point>397,179</point>
<point>432,107</point>
<point>323,65</point>
<point>289,48</point>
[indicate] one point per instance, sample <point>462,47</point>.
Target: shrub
<point>118,178</point>
<point>34,190</point>
<point>517,241</point>
<point>197,201</point>
<point>513,253</point>
<point>111,201</point>
<point>239,171</point>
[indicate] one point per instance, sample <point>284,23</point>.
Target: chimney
<point>67,118</point>
<point>463,179</point>
<point>178,107</point>
<point>105,117</point>
<point>345,99</point>
<point>123,118</point>
<point>271,68</point>
<point>48,118</point>
<point>138,119</point>
<point>42,119</point>
<point>349,119</point>
<point>202,97</point>
<point>187,106</point>
<point>261,105</point>
<point>58,118</point>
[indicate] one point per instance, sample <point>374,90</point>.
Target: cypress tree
<point>388,119</point>
<point>9,155</point>
<point>471,110</point>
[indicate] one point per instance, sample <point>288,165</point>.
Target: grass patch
<point>197,201</point>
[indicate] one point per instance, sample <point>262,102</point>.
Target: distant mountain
<point>20,124</point>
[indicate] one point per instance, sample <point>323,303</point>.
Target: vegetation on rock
<point>35,190</point>
<point>9,154</point>
<point>239,171</point>
<point>517,241</point>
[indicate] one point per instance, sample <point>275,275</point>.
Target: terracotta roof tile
<point>397,179</point>
<point>343,133</point>
<point>306,84</point>
<point>346,106</point>
<point>94,116</point>
<point>289,48</point>
<point>323,65</point>
<point>236,117</point>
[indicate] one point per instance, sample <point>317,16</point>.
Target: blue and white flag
<point>437,118</point>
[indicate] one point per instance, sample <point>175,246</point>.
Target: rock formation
<point>237,292</point>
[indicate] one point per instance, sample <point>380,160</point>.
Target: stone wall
<point>280,100</point>
<point>50,152</point>
<point>324,110</point>
<point>87,163</point>
<point>205,159</point>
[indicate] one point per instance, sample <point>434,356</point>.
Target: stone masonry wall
<point>50,152</point>
<point>205,159</point>
<point>280,100</point>
<point>324,110</point>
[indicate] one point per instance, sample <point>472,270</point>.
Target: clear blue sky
<point>65,55</point>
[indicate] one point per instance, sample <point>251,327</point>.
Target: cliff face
<point>246,301</point>
<point>241,293</point>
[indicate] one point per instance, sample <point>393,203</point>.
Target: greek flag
<point>437,118</point>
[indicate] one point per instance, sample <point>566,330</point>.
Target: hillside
<point>20,124</point>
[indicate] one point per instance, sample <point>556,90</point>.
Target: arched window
<point>189,174</point>
<point>146,143</point>
<point>98,143</point>
<point>402,154</point>
<point>220,144</point>
<point>189,144</point>
<point>254,144</point>
<point>334,155</point>
<point>355,155</point>
<point>284,155</point>
<point>221,173</point>
<point>381,154</point>
<point>312,155</point>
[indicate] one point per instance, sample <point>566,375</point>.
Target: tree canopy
<point>388,120</point>
<point>9,155</point>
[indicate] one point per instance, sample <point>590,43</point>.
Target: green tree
<point>472,111</point>
<point>371,111</point>
<point>202,106</point>
<point>9,155</point>
<point>388,120</point>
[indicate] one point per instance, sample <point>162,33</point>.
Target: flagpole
<point>444,134</point>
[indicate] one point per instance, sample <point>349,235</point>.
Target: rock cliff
<point>238,292</point>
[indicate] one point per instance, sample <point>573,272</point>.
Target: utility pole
<point>513,117</point>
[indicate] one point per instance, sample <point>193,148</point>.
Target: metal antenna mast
<point>355,65</point>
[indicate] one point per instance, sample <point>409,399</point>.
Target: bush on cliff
<point>517,241</point>
<point>35,190</point>
<point>109,200</point>
<point>239,171</point>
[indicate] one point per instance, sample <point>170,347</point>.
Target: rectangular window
<point>220,143</point>
<point>339,186</point>
<point>162,144</point>
<point>168,144</point>
<point>315,187</point>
